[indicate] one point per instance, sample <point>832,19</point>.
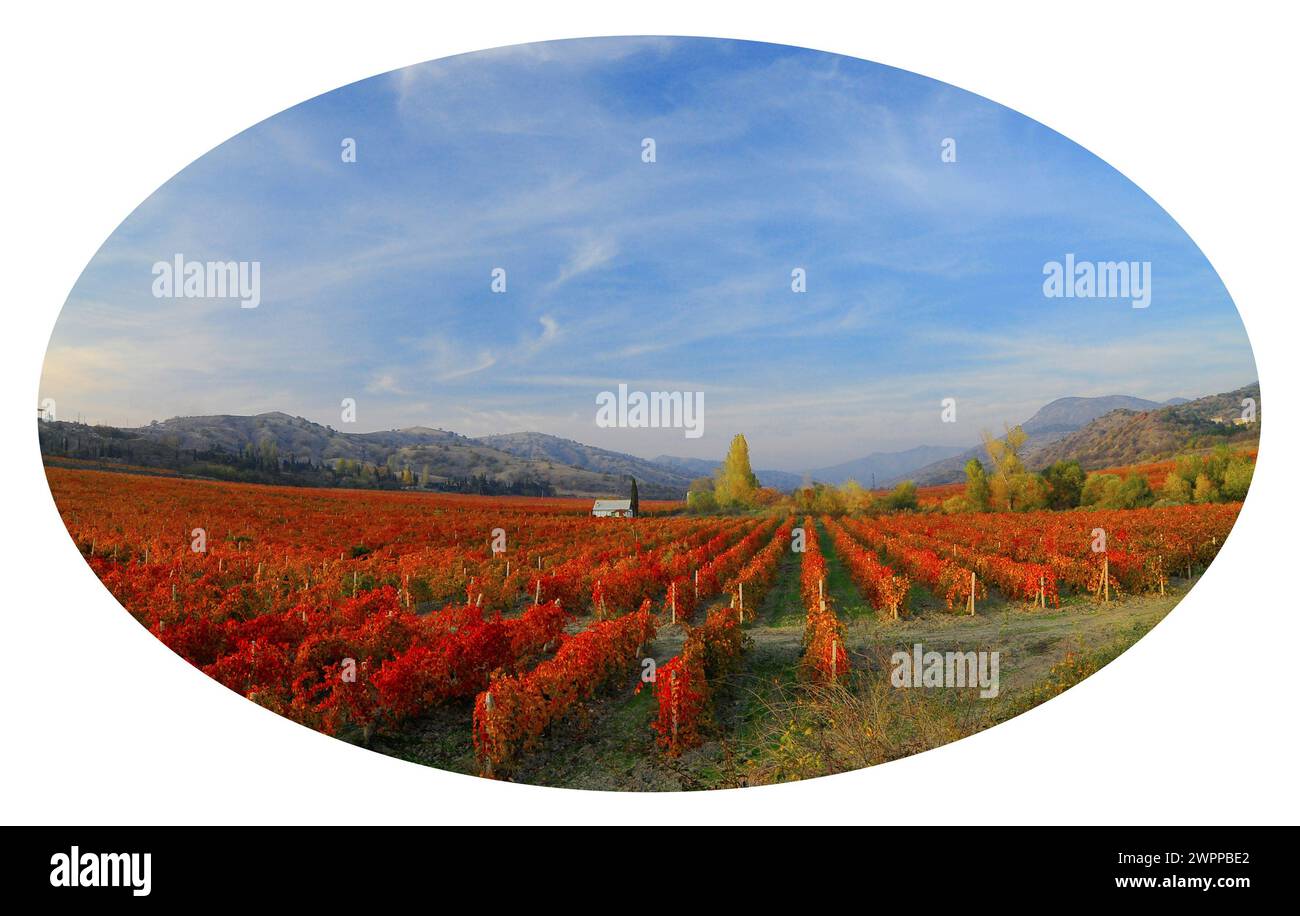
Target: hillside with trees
<point>280,449</point>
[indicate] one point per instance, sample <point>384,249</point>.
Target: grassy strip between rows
<point>808,730</point>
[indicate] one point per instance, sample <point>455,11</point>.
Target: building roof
<point>612,504</point>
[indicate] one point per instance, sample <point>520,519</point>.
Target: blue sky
<point>924,277</point>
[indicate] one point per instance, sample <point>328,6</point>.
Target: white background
<point>104,102</point>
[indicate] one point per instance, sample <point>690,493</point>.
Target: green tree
<point>1205,491</point>
<point>826,501</point>
<point>977,486</point>
<point>1110,491</point>
<point>902,496</point>
<point>699,496</point>
<point>1189,467</point>
<point>1236,478</point>
<point>1133,492</point>
<point>1094,488</point>
<point>737,484</point>
<point>1004,455</point>
<point>1216,464</point>
<point>269,457</point>
<point>956,504</point>
<point>1064,481</point>
<point>1027,492</point>
<point>1176,489</point>
<point>636,500</point>
<point>855,497</point>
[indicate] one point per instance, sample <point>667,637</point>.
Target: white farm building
<point>612,508</point>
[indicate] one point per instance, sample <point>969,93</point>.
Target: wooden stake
<point>672,600</point>
<point>972,593</point>
<point>672,686</point>
<point>488,706</point>
<point>537,592</point>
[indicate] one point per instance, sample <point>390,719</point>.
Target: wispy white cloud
<point>922,277</point>
<point>591,254</point>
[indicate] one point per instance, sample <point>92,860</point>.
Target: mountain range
<point>1110,431</point>
<point>1098,432</point>
<point>1050,423</point>
<point>1126,436</point>
<point>210,445</point>
<point>704,467</point>
<point>878,467</point>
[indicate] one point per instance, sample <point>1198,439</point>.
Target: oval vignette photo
<point>648,414</point>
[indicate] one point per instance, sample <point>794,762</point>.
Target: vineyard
<point>516,629</point>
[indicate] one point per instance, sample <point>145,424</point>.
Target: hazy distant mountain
<point>291,435</point>
<point>1050,423</point>
<point>207,446</point>
<point>885,467</point>
<point>543,447</point>
<point>1136,436</point>
<point>1099,432</point>
<point>703,467</point>
<point>1093,431</point>
<point>1068,414</point>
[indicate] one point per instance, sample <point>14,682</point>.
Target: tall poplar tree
<point>737,485</point>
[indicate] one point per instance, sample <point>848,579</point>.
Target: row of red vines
<point>825,658</point>
<point>684,685</point>
<point>945,578</point>
<point>884,589</point>
<point>513,713</point>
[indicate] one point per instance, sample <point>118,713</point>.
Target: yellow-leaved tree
<point>737,484</point>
